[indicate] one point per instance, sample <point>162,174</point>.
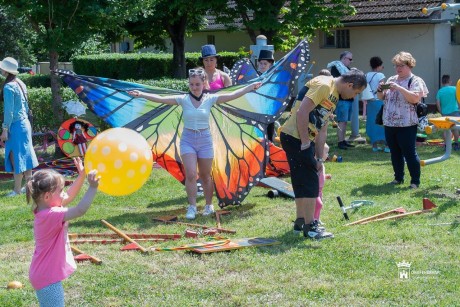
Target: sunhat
<point>208,51</point>
<point>266,55</point>
<point>9,65</point>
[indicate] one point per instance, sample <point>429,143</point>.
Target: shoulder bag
<point>30,115</point>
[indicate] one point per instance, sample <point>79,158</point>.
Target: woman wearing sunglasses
<point>196,146</point>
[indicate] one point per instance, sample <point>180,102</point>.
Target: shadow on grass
<point>374,189</point>
<point>146,220</point>
<point>169,202</point>
<point>288,241</point>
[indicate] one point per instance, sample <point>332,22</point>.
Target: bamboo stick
<point>124,236</point>
<point>399,210</point>
<point>113,241</point>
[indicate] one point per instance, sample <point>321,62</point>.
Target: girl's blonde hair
<point>42,181</point>
<point>404,57</point>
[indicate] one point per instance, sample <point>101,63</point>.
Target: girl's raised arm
<point>77,184</point>
<point>238,93</point>
<point>171,100</point>
<point>85,202</point>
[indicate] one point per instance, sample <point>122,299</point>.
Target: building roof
<point>370,11</point>
<point>391,10</point>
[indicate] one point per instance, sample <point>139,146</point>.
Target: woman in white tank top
<point>196,140</point>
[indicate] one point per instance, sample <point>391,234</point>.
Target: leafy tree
<point>16,38</point>
<point>168,19</point>
<point>281,21</point>
<point>62,26</point>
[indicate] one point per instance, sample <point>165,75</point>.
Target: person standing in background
<point>447,105</point>
<point>376,133</point>
<point>265,61</point>
<point>344,106</point>
<point>405,91</point>
<point>20,156</point>
<point>217,78</point>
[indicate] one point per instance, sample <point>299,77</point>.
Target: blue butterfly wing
<point>243,71</point>
<point>278,85</point>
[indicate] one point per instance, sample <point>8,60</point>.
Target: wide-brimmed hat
<point>208,51</point>
<point>9,65</point>
<point>266,55</point>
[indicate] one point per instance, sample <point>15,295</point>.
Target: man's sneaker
<point>208,209</point>
<point>320,225</point>
<point>342,145</point>
<point>313,232</point>
<point>191,213</point>
<point>298,225</point>
<point>348,144</point>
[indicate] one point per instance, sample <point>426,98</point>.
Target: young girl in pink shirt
<point>52,260</point>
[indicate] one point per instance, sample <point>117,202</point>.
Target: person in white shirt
<point>196,147</point>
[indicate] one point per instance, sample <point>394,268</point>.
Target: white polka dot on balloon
<point>118,164</point>
<point>122,147</point>
<point>133,157</point>
<point>106,150</point>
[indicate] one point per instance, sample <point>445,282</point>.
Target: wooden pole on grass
<point>124,236</point>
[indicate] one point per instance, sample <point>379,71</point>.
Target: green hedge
<point>40,102</point>
<point>139,65</point>
<point>33,80</point>
<point>173,84</point>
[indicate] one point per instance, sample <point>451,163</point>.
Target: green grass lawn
<point>356,268</point>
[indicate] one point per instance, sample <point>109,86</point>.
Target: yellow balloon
<point>123,159</point>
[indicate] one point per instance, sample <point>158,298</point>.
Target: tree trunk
<point>177,35</point>
<point>55,88</point>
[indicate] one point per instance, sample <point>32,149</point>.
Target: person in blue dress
<point>376,133</point>
<point>20,156</point>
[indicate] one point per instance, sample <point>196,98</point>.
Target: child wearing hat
<point>265,60</point>
<point>217,78</point>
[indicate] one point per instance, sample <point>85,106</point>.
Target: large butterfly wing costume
<point>238,127</point>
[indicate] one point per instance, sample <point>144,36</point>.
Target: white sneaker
<point>208,209</point>
<point>191,212</point>
<point>23,190</point>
